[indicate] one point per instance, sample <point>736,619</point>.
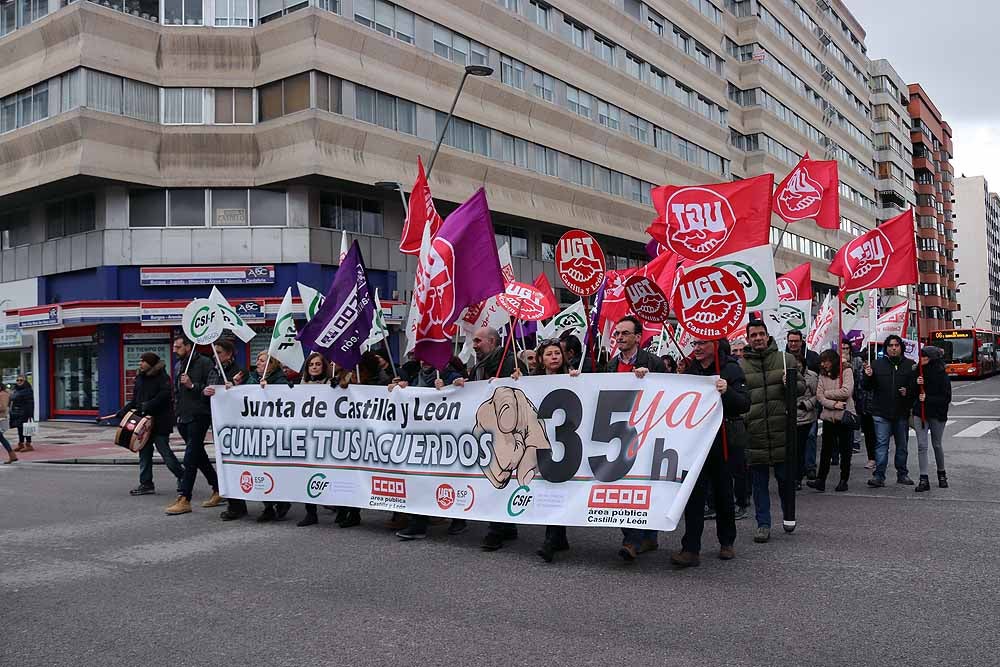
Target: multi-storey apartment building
<point>933,176</point>
<point>149,148</point>
<point>977,252</point>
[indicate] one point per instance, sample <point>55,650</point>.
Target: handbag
<point>850,420</point>
<point>30,428</point>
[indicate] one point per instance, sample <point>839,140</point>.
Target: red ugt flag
<point>699,222</point>
<point>796,285</point>
<point>811,190</point>
<point>884,257</point>
<point>421,212</point>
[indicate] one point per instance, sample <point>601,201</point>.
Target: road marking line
<point>979,429</point>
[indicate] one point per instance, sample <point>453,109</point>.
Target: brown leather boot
<point>20,447</point>
<point>11,457</point>
<point>181,506</point>
<point>28,447</point>
<point>214,501</point>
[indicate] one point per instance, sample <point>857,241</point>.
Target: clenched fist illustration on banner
<point>518,434</point>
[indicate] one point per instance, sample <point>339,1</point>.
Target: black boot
<point>942,479</point>
<point>818,484</point>
<point>924,485</point>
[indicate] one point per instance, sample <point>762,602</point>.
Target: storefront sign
<point>10,337</point>
<point>39,316</point>
<point>608,451</point>
<point>251,310</point>
<point>161,312</point>
<point>206,275</point>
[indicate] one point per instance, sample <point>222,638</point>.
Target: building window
<point>183,106</point>
<point>182,12</point>
<point>578,101</point>
<point>655,22</point>
<point>457,48</point>
<point>512,72</point>
<point>549,248</point>
<point>70,216</point>
<point>76,374</point>
<point>609,115</point>
<point>515,238</point>
<point>542,85</point>
<point>328,92</point>
<point>230,208</point>
<point>387,111</point>
<point>283,97</point>
<point>233,106</point>
<point>634,65</point>
<point>540,13</point>
<point>356,215</point>
<point>24,108</point>
<point>233,13</point>
<point>386,18</point>
<point>140,101</point>
<point>577,33</point>
<point>268,10</point>
<point>186,208</point>
<point>604,49</point>
<point>147,208</point>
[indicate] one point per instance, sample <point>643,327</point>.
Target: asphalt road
<point>92,576</point>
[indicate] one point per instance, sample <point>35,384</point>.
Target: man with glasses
<point>888,379</point>
<point>631,359</point>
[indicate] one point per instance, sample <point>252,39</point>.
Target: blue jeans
<point>897,429</point>
<point>760,478</point>
<point>811,447</point>
<point>195,456</point>
<point>4,442</point>
<point>162,445</point>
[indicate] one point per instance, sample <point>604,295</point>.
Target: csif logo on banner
<point>316,485</point>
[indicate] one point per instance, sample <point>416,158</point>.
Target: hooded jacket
<point>151,396</point>
<point>889,375</point>
<point>766,419</point>
<point>22,404</point>
<point>937,390</point>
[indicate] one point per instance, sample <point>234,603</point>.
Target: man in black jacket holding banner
<point>715,472</point>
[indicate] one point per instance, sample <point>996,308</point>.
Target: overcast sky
<point>951,49</point>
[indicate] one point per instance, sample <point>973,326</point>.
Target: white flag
<point>379,329</point>
<point>754,267</point>
<point>311,300</point>
<point>823,331</point>
<point>343,247</point>
<point>788,316</point>
<point>892,322</point>
<point>570,319</point>
<point>230,318</point>
<point>284,347</point>
<point>413,316</point>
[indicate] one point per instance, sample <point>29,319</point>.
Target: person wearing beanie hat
<point>151,397</point>
<point>930,413</point>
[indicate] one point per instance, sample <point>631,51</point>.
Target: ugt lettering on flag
<point>342,324</point>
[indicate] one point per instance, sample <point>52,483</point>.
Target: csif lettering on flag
<point>571,319</point>
<point>810,191</point>
<point>462,268</point>
<point>699,222</point>
<point>342,324</point>
<point>883,257</point>
<point>420,213</point>
<point>284,345</point>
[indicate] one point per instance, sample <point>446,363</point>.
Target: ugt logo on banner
<point>709,302</point>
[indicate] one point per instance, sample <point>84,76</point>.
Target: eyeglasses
<point>620,334</point>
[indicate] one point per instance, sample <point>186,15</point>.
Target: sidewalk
<point>80,442</point>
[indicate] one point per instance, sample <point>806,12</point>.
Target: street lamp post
<point>470,70</point>
<point>395,185</point>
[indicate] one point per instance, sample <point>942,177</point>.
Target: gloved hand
<point>517,436</point>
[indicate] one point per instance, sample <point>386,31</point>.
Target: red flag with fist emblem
<point>699,222</point>
<point>884,257</point>
<point>551,302</point>
<point>421,213</point>
<point>796,285</point>
<point>810,191</point>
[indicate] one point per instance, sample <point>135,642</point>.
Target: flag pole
<point>586,329</point>
<point>503,356</point>
<point>777,245</point>
<point>840,328</point>
<point>722,429</point>
<point>388,353</point>
<point>222,371</point>
<point>187,366</point>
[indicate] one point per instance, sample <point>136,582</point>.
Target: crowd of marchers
<point>841,398</point>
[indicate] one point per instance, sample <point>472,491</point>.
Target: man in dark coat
<point>151,397</point>
<point>715,473</point>
<point>194,416</point>
<point>890,379</point>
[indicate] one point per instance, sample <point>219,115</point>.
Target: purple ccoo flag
<point>341,326</point>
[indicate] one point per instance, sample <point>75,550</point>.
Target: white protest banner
<point>892,322</point>
<point>606,451</point>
